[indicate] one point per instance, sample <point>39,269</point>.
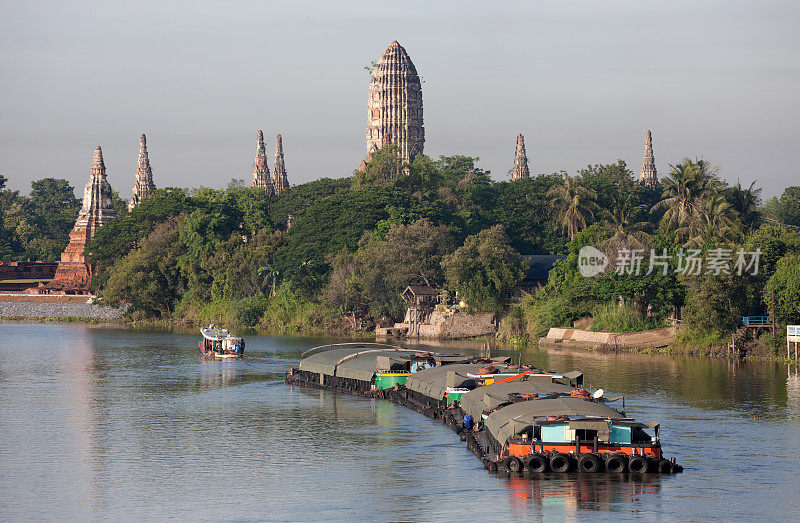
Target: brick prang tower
<point>648,175</point>
<point>261,176</point>
<point>520,169</point>
<point>143,186</point>
<point>394,110</point>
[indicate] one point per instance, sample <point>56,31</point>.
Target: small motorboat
<point>220,344</point>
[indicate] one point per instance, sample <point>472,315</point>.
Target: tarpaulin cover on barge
<point>492,396</point>
<point>512,420</point>
<point>358,363</point>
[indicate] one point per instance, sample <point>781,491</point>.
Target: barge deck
<point>483,400</point>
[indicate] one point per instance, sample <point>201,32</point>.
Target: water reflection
<point>216,374</point>
<point>567,496</point>
<point>119,424</point>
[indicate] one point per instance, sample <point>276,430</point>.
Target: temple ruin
<point>520,169</point>
<point>73,275</point>
<point>648,175</point>
<point>261,177</point>
<point>394,111</point>
<point>279,179</point>
<point>143,186</point>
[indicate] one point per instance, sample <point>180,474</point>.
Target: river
<point>114,423</point>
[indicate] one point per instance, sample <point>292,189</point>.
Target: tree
<point>574,205</point>
<point>384,165</point>
<point>517,206</point>
<point>786,209</point>
<point>686,189</point>
<point>623,224</point>
<point>608,181</point>
<point>53,208</point>
<point>148,278</point>
<point>485,270</point>
<point>370,280</point>
<point>745,204</point>
<point>116,239</point>
<point>785,285</point>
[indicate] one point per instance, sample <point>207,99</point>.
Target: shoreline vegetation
<point>331,256</point>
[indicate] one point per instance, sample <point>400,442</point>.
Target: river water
<point>113,423</point>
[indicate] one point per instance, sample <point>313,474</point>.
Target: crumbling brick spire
<point>72,274</point>
<point>648,174</point>
<point>143,186</point>
<point>260,168</point>
<point>520,169</point>
<point>394,110</point>
<point>279,178</point>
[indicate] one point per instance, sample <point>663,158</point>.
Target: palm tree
<point>745,203</point>
<point>687,188</point>
<point>574,205</point>
<point>715,220</point>
<point>622,224</point>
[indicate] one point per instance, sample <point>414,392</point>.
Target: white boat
<point>220,344</point>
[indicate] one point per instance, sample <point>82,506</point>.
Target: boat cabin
<point>220,342</point>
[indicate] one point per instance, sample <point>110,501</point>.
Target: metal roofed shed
<point>539,267</point>
<point>514,419</point>
<point>475,401</point>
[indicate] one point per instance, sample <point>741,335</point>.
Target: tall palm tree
<point>687,188</point>
<point>715,220</point>
<point>574,205</point>
<point>623,224</point>
<point>745,203</point>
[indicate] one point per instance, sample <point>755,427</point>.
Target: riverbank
<point>49,311</point>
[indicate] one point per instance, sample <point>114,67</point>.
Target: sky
<point>583,80</point>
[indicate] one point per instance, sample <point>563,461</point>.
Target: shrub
<point>621,318</point>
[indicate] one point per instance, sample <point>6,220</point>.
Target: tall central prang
<point>395,104</point>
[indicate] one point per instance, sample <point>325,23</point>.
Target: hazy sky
<point>583,80</point>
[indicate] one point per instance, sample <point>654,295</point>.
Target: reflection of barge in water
<point>517,420</point>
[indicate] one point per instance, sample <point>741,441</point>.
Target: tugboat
<point>220,344</point>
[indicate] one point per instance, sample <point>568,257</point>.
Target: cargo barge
<point>518,420</point>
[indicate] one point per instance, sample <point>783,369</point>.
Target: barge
<point>518,420</point>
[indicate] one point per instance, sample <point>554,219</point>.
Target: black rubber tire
<point>589,463</point>
<point>560,462</point>
<point>492,467</point>
<point>513,464</point>
<point>666,467</point>
<point>617,463</point>
<point>637,464</point>
<point>536,464</point>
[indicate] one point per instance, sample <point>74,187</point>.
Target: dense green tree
<point>573,204</point>
<point>745,204</point>
<point>384,166</point>
<point>786,209</point>
<point>370,280</point>
<point>688,189</point>
<point>148,278</point>
<point>485,270</point>
<point>119,237</point>
<point>784,285</point>
<point>517,206</point>
<point>609,182</point>
<point>623,221</point>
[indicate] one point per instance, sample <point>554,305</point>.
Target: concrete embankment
<point>608,341</point>
<point>45,309</point>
